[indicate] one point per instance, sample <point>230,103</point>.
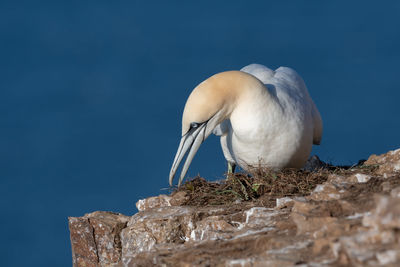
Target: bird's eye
<point>194,125</point>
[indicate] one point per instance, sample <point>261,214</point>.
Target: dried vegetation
<point>262,185</point>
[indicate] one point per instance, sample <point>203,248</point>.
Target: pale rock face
<point>326,191</point>
<point>388,257</point>
<point>359,178</point>
<point>161,201</point>
<point>386,215</point>
<point>153,202</point>
<point>338,180</point>
<point>212,228</point>
<point>260,217</point>
<point>388,163</point>
<point>148,228</point>
<point>345,221</point>
<point>284,202</point>
<point>395,192</point>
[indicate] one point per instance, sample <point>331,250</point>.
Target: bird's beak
<point>190,143</point>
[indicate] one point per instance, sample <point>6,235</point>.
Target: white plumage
<point>266,118</point>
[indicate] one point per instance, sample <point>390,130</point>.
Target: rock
<point>260,217</point>
<point>359,178</point>
<point>314,164</point>
<point>308,217</point>
<point>156,226</point>
<point>377,243</point>
<point>212,228</point>
<point>394,192</point>
<point>352,218</point>
<point>284,202</point>
<point>387,187</point>
<point>326,191</point>
<point>95,238</point>
<point>179,198</point>
<point>84,250</point>
<point>176,199</point>
<point>338,180</point>
<point>387,163</point>
<point>107,228</point>
<point>386,214</point>
<point>153,202</point>
<point>388,257</point>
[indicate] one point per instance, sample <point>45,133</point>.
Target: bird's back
<point>292,128</point>
<point>282,79</point>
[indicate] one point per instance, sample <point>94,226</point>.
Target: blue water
<point>91,96</point>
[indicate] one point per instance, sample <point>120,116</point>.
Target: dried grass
<point>262,183</point>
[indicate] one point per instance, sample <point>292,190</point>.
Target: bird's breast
<point>270,134</point>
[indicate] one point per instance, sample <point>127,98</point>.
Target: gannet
<point>264,118</point>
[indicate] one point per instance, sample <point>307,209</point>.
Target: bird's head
<point>211,102</point>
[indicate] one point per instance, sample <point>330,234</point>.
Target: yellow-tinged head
<point>211,102</point>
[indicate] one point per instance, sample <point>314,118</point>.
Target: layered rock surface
<point>350,219</point>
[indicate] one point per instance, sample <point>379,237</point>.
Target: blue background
<point>91,96</point>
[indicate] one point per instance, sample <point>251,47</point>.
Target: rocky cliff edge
<point>336,216</point>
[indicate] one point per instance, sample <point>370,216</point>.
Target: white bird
<point>264,118</point>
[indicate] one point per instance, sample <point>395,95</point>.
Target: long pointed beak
<point>189,144</point>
